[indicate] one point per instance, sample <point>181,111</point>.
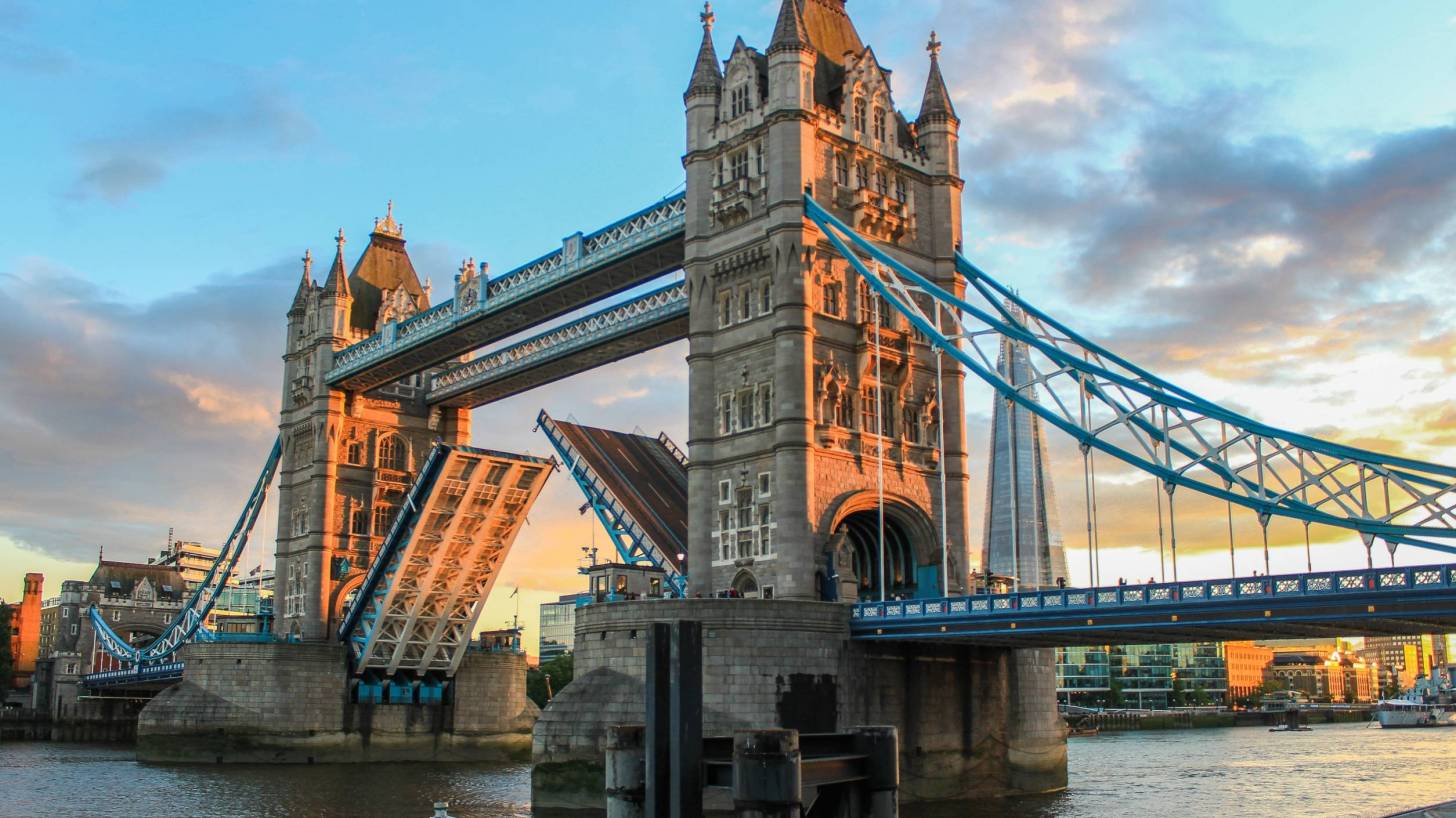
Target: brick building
<point>25,631</point>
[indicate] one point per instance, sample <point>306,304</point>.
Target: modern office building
<point>1145,676</point>
<point>1246,663</point>
<point>558,627</point>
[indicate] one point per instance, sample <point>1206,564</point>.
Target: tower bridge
<point>813,266</point>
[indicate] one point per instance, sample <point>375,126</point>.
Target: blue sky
<point>1254,198</point>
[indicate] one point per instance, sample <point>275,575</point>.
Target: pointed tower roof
<point>384,265</point>
<point>830,30</point>
<point>789,33</point>
<point>707,75</point>
<point>300,298</point>
<point>337,284</point>
<point>935,104</point>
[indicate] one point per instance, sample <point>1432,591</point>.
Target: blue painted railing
<point>139,673</point>
<point>1199,592</point>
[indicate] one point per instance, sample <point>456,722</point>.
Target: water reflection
<point>1335,770</point>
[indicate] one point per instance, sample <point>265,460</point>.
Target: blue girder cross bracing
<point>621,330</point>
<point>1110,405</point>
<point>188,623</point>
<point>1372,602</point>
<point>633,544</point>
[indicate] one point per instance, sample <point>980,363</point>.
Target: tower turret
<point>938,130</point>
<point>705,89</point>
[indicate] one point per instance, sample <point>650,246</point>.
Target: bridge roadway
<point>1378,602</point>
<point>589,267</point>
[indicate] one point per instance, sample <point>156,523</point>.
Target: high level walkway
<point>588,267</point>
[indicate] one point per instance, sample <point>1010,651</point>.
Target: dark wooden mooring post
<point>659,720</point>
<point>626,771</point>
<point>767,774</point>
<point>687,720</point>
<point>674,732</point>
<point>880,745</point>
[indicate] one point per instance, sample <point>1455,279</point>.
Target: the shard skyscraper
<point>1035,555</point>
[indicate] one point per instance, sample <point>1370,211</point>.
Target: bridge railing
<point>1198,592</point>
<point>137,673</point>
<point>579,254</point>
<point>563,341</point>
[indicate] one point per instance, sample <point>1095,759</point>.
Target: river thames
<point>1334,770</point>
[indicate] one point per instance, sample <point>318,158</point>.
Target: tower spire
<point>337,283</point>
<point>935,104</point>
<point>707,76</point>
<point>305,285</point>
<point>789,31</point>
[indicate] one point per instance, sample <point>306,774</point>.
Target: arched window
<point>859,114</point>
<point>391,453</point>
<point>383,519</point>
<point>841,169</point>
<point>879,123</point>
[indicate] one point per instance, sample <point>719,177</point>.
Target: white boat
<point>1406,713</point>
<point>1428,704</point>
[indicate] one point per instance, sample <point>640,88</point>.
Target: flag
<point>515,591</point>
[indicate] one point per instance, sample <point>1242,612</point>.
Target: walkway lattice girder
<point>588,268</point>
<point>609,335</point>
<point>425,591</point>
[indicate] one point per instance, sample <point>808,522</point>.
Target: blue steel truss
<point>579,256</point>
<point>1418,599</point>
<point>569,343</point>
<point>1108,404</point>
<point>188,623</point>
<point>632,543</point>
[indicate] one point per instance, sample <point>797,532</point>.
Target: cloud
<point>122,419</point>
<point>113,168</point>
<point>19,53</point>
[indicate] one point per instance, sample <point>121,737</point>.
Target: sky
<point>1254,200</point>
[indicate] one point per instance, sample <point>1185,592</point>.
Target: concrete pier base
<point>973,722</point>
<point>290,703</point>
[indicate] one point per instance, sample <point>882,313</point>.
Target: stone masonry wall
<point>290,703</point>
<point>973,722</point>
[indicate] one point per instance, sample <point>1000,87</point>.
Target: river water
<point>1334,770</point>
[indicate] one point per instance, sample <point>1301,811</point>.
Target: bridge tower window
<point>738,101</point>
<point>739,164</point>
<point>879,124</point>
<point>765,298</point>
<point>758,158</point>
<point>899,188</point>
<point>745,410</point>
<point>725,308</point>
<point>765,404</point>
<point>725,417</point>
<point>882,186</point>
<point>862,174</point>
<point>745,304</point>
<point>383,519</point>
<point>830,298</point>
<point>358,519</point>
<point>859,114</point>
<point>391,453</point>
<point>841,169</point>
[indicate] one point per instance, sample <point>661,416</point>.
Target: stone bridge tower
<point>348,459</point>
<point>783,346</point>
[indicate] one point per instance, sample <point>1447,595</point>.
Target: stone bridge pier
<point>974,722</point>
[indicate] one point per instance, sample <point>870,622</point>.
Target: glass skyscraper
<point>1034,555</point>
